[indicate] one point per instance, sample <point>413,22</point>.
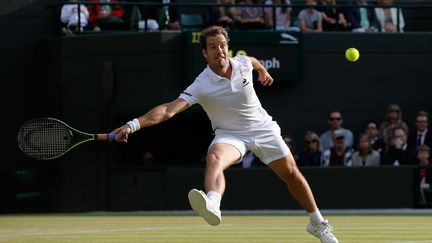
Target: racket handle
<point>111,136</point>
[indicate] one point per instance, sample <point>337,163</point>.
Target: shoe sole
<point>199,205</point>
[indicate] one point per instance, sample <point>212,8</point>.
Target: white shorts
<point>267,144</point>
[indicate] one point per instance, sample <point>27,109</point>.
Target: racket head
<point>48,138</point>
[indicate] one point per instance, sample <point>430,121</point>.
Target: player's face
<point>216,52</point>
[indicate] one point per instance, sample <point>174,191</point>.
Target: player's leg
<point>219,157</point>
<point>287,170</point>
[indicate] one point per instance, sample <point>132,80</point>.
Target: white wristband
<point>134,125</point>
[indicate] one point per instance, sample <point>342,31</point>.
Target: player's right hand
<point>122,133</point>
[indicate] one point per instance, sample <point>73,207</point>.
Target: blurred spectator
<point>289,140</point>
<point>310,19</point>
<point>283,16</point>
<point>250,160</point>
<point>399,153</point>
<point>365,155</point>
<point>421,134</point>
<point>392,119</point>
<point>388,17</point>
<point>373,135</point>
<point>311,156</point>
<point>333,18</point>
<point>147,158</point>
<point>224,15</point>
<point>250,17</point>
<point>70,15</point>
<point>339,154</point>
<point>335,122</point>
<point>425,173</point>
<point>361,19</point>
<point>106,16</point>
<point>142,17</point>
<point>169,16</point>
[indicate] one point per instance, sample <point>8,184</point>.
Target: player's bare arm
<point>156,115</point>
<point>263,76</point>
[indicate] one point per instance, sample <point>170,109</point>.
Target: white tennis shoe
<point>322,231</point>
<point>205,207</point>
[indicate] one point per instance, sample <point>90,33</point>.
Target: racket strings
<point>44,138</point>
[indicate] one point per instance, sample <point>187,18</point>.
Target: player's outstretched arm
<point>156,115</point>
<point>263,76</point>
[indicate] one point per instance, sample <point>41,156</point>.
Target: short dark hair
<point>423,147</point>
<point>212,31</point>
<point>422,113</point>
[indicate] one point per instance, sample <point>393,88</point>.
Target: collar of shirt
<point>422,133</point>
<point>213,77</point>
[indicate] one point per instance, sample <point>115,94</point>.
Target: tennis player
<point>225,90</point>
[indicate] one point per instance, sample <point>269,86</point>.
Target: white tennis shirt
<point>231,105</point>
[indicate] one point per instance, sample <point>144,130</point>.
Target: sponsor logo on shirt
<point>245,82</point>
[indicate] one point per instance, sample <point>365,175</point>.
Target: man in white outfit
<point>225,91</point>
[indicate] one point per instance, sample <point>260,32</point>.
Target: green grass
<point>120,228</point>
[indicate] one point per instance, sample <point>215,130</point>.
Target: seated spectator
<point>425,173</point>
<point>250,160</point>
<point>250,17</point>
<point>388,17</point>
<point>169,16</point>
<point>289,141</point>
<point>147,158</point>
<point>224,15</point>
<point>142,17</point>
<point>399,153</point>
<point>310,19</point>
<point>333,18</point>
<point>335,122</point>
<point>373,135</point>
<point>392,120</point>
<point>421,134</point>
<point>106,16</point>
<point>311,156</point>
<point>339,154</point>
<point>283,16</point>
<point>70,15</point>
<point>365,155</point>
<point>361,19</point>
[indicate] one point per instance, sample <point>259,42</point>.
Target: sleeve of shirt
<point>245,62</point>
<point>191,94</point>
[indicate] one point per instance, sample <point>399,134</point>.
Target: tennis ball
<point>352,54</point>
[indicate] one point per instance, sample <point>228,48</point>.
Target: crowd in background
<point>390,142</point>
<point>314,16</point>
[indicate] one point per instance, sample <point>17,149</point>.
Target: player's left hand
<point>264,78</point>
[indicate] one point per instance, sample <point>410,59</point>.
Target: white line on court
<point>416,241</point>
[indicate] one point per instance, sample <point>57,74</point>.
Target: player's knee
<point>212,160</point>
<point>292,172</point>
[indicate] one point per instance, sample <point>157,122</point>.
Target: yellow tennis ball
<point>352,54</point>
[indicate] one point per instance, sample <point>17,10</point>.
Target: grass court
<point>187,228</point>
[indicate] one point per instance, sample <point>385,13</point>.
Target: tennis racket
<point>49,138</point>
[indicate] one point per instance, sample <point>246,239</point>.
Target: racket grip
<point>111,136</point>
